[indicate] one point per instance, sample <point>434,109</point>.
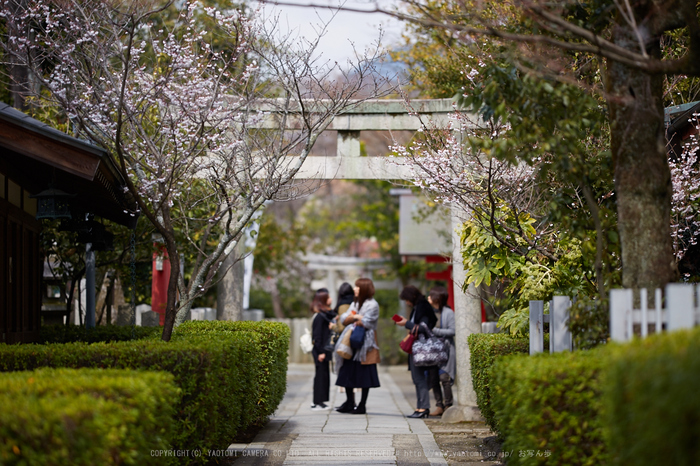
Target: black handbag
<point>330,346</point>
<point>431,351</point>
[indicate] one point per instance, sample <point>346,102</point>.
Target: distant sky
<point>346,29</point>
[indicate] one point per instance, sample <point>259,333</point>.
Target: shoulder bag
<point>357,337</point>
<point>431,351</point>
<point>407,342</point>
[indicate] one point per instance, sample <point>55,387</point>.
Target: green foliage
<point>388,301</point>
<point>653,410</point>
<point>213,369</point>
<point>589,322</point>
<point>85,417</point>
<point>524,275</point>
<point>551,403</point>
<point>535,244</point>
<point>271,382</point>
<point>75,333</point>
<point>484,348</point>
<point>388,337</point>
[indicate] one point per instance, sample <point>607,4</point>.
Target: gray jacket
<point>370,315</point>
<point>446,328</point>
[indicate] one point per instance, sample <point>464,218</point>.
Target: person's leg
<point>361,409</point>
<point>318,383</point>
<point>349,403</point>
<point>422,390</point>
<point>434,381</point>
<point>446,381</point>
<point>350,396</point>
<point>325,381</point>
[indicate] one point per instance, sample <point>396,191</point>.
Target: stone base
<point>455,414</point>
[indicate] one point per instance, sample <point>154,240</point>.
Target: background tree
<point>185,127</point>
<point>627,39</point>
<point>487,72</point>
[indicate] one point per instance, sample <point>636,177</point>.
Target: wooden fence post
<point>559,334</point>
<point>620,309</point>
<point>680,306</point>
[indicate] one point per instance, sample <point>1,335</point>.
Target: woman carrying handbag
<point>421,313</point>
<point>360,371</point>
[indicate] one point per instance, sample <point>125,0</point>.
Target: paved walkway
<point>296,435</point>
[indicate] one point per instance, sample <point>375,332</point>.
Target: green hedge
<point>271,382</point>
<point>484,348</point>
<point>85,417</point>
<point>102,333</point>
<point>550,405</point>
<point>213,374</point>
<point>653,408</point>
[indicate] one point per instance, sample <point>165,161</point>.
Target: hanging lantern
<point>53,203</point>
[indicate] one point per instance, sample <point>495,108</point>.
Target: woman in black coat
<point>421,312</point>
<point>321,335</point>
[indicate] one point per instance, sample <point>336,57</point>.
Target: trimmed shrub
<point>85,417</point>
<point>652,403</point>
<point>484,348</point>
<point>271,382</point>
<point>102,333</point>
<point>213,374</point>
<point>548,408</point>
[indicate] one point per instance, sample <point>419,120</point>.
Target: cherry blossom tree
<point>200,132</point>
<point>621,44</point>
<point>685,176</point>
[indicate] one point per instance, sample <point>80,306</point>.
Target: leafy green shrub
<point>484,348</point>
<point>85,417</point>
<point>388,336</point>
<point>73,333</point>
<point>271,380</point>
<point>214,375</point>
<point>551,405</point>
<point>652,404</point>
<point>589,322</point>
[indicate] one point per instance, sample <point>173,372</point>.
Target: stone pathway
<point>296,435</point>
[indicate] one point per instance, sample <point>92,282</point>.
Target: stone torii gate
<point>392,115</point>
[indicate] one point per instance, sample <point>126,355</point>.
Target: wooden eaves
<point>37,155</point>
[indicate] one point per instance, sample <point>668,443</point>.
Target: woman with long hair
<point>421,312</point>
<point>361,370</point>
<point>445,327</point>
<point>321,335</point>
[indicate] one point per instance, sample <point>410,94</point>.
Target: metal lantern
<point>53,203</point>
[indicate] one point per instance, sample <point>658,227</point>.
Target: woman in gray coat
<point>361,370</point>
<point>445,327</point>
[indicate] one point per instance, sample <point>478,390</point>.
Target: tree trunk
<point>642,175</point>
<point>171,302</point>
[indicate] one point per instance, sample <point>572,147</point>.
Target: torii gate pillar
<point>467,321</point>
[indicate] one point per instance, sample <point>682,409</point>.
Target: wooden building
<point>33,158</point>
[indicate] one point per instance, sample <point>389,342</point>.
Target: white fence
<point>558,319</point>
<point>681,311</point>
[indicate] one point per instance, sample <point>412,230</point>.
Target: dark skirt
<point>357,375</point>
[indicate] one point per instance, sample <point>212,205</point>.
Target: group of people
<point>356,307</point>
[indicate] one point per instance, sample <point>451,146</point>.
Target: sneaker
<point>320,407</point>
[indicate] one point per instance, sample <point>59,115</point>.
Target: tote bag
<point>430,351</point>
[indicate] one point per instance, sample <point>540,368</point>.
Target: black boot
<point>349,404</point>
<point>361,407</point>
